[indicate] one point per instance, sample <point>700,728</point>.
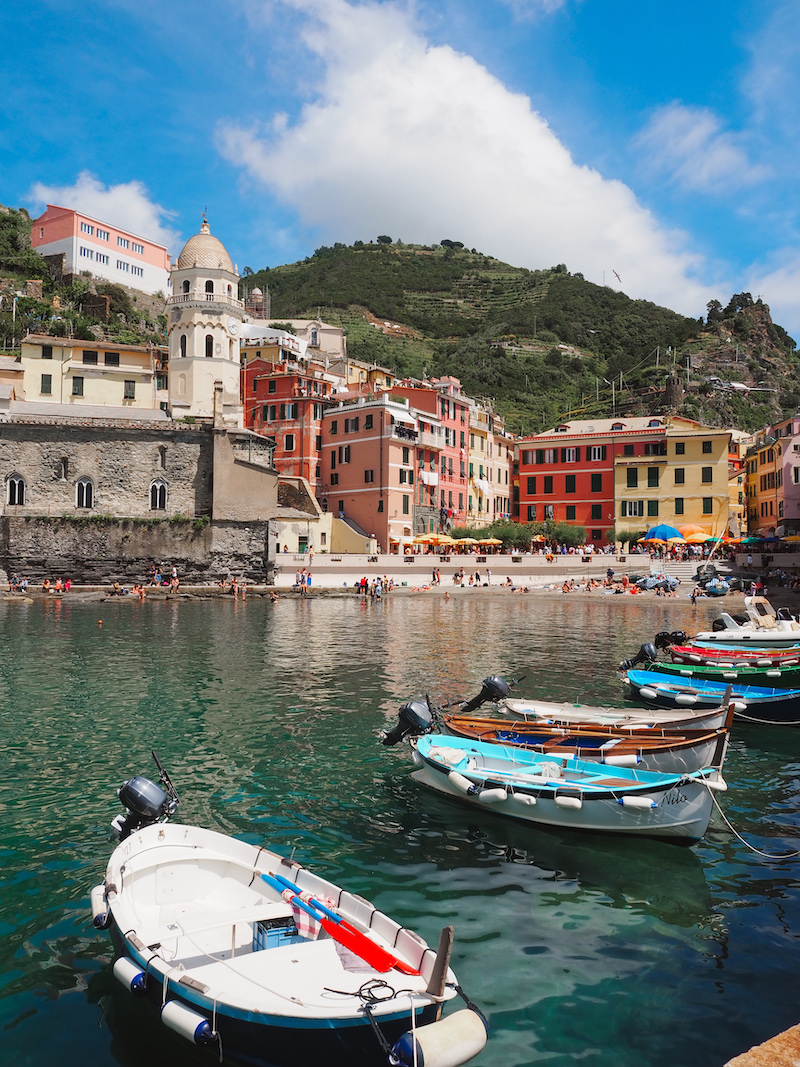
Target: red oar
<point>340,930</point>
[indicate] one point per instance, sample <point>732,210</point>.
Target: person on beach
<point>46,586</point>
<point>273,596</point>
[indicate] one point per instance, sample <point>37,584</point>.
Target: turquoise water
<point>578,947</point>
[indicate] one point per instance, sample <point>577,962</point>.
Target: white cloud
<point>126,205</point>
<point>423,143</point>
<point>777,282</point>
<point>688,145</point>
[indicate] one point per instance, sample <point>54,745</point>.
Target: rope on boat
<point>766,722</point>
<point>758,852</point>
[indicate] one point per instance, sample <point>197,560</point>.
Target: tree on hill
<point>384,239</point>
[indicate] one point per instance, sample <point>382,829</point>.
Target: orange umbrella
<point>693,528</point>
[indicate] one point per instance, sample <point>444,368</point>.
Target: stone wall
<point>99,550</point>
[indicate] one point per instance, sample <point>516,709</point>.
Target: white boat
<point>764,627</point>
<point>550,712</point>
<point>565,792</point>
<point>253,954</point>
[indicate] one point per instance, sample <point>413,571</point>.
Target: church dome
<point>203,250</point>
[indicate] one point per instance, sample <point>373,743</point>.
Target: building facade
<point>60,370</point>
<point>773,480</point>
<point>101,248</point>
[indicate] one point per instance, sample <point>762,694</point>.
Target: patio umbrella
<point>467,541</point>
<point>442,539</point>
<point>426,539</point>
<point>490,541</point>
<point>693,528</point>
<point>662,532</point>
<point>697,538</point>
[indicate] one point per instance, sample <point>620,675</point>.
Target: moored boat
<point>565,792</point>
<point>730,673</point>
<point>255,956</point>
<point>762,626</point>
<point>735,657</point>
<point>751,703</point>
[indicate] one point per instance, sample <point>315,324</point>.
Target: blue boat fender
<point>637,803</point>
<point>131,975</point>
<point>188,1023</point>
<point>446,1043</point>
<point>100,913</point>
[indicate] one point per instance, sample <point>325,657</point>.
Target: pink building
<point>104,250</point>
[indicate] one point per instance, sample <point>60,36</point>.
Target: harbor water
<point>579,947</point>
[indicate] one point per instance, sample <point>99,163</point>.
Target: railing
<point>200,296</point>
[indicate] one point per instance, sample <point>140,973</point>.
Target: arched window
<point>183,346</point>
<point>162,457</point>
<point>63,469</point>
<point>84,493</point>
<point>209,289</point>
<point>16,489</point>
<point>158,496</point>
<point>209,346</point>
<point>186,285</point>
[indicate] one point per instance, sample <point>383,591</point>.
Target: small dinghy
<point>696,655</point>
<point>751,703</point>
<point>565,792</point>
<point>262,960</point>
<point>725,672</point>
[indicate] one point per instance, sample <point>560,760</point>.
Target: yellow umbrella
<point>442,539</point>
<point>490,541</point>
<point>467,541</point>
<point>427,539</point>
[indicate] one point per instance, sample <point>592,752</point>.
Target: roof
<point>204,250</point>
<point>32,409</point>
<point>10,363</point>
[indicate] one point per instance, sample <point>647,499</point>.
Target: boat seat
<point>178,926</point>
<point>766,622</point>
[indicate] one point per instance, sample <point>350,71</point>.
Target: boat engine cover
<point>414,718</point>
<point>144,798</point>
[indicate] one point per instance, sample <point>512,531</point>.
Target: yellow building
<point>61,370</point>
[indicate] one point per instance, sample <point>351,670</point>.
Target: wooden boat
<point>566,792</point>
<point>735,657</point>
<point>268,963</point>
<point>764,626</point>
<point>666,751</point>
<point>751,703</point>
<point>728,673</point>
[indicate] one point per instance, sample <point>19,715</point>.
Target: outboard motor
<point>493,688</point>
<point>679,637</point>
<point>663,639</point>
<point>648,653</point>
<point>413,720</point>
<point>145,802</point>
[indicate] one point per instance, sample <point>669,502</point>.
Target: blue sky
<point>655,141</point>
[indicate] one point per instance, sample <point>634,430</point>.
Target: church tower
<point>205,321</point>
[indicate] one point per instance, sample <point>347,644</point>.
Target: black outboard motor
<point>648,653</point>
<point>413,720</point>
<point>493,688</point>
<point>145,802</point>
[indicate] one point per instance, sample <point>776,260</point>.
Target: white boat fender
<point>101,916</point>
<point>131,975</point>
<point>524,798</point>
<point>638,803</point>
<point>730,674</point>
<point>188,1023</point>
<point>492,796</point>
<point>717,785</point>
<point>630,759</point>
<point>567,802</point>
<point>648,693</point>
<point>446,1043</point>
<point>459,782</point>
<point>740,706</point>
<point>695,659</point>
<point>686,699</point>
<point>773,674</point>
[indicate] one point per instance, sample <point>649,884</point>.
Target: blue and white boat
<point>566,792</point>
<point>267,963</point>
<point>751,703</point>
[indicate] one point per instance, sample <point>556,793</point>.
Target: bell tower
<point>205,322</point>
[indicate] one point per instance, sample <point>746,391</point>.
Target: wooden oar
<point>340,930</point>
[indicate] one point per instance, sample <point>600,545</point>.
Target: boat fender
<point>459,782</point>
<point>568,803</point>
<point>730,674</point>
<point>188,1023</point>
<point>524,798</point>
<point>686,699</point>
<point>763,663</point>
<point>446,1043</point>
<point>648,693</point>
<point>739,706</point>
<point>630,759</point>
<point>773,674</point>
<point>131,975</point>
<point>638,803</point>
<point>717,785</point>
<point>695,659</point>
<point>492,796</point>
<point>100,913</point>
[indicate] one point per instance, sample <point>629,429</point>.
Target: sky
<point>651,147</point>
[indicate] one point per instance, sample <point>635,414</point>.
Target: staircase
<point>687,569</point>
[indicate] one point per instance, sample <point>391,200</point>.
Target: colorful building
<point>773,481</point>
<point>101,248</point>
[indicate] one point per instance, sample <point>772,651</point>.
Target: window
<point>288,442</point>
<point>137,248</point>
<point>46,387</point>
<point>122,265</point>
<point>16,490</point>
<point>344,453</point>
<point>334,426</point>
<point>100,257</point>
<point>597,482</point>
<point>186,285</point>
<point>532,484</point>
<point>84,493</point>
<point>550,455</point>
<point>129,391</point>
<point>273,412</point>
<point>652,477</point>
<point>405,505</point>
<point>633,509</point>
<point>368,422</point>
<point>318,442</point>
<point>209,346</point>
<point>569,485</point>
<point>209,289</point>
<point>548,511</point>
<point>162,457</point>
<point>707,447</point>
<point>86,228</point>
<point>138,271</point>
<point>548,483</point>
<point>333,459</point>
<point>652,508</point>
<point>334,478</point>
<point>272,386</point>
<point>633,477</point>
<point>596,453</point>
<point>680,448</point>
<point>526,456</point>
<point>90,357</point>
<point>104,235</point>
<point>570,455</point>
<point>597,511</point>
<point>111,359</point>
<point>123,242</point>
<point>707,474</point>
<point>679,505</point>
<point>406,455</point>
<point>183,346</point>
<point>87,253</point>
<point>570,512</point>
<point>627,450</point>
<point>158,496</point>
<point>351,426</point>
<point>47,351</point>
<point>708,505</point>
<point>77,386</point>
<point>680,475</point>
<point>531,513</point>
<point>655,448</point>
<point>369,476</point>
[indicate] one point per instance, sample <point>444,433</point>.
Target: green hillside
<point>541,344</point>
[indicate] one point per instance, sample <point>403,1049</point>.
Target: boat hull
<point>755,704</point>
<point>729,673</point>
<point>641,718</point>
<point>698,655</point>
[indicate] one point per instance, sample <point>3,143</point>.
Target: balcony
<point>199,296</point>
